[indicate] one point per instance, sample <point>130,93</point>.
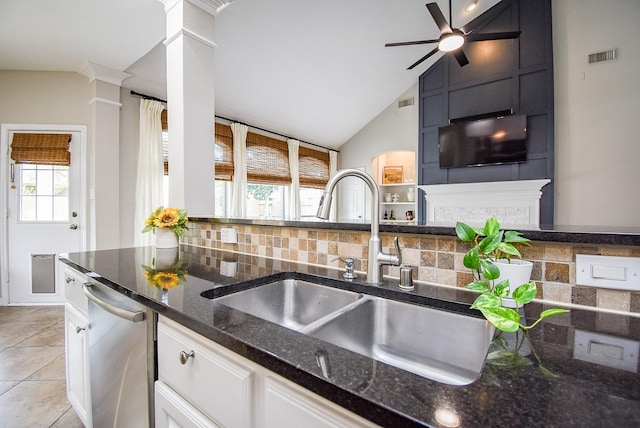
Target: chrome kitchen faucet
<point>376,258</point>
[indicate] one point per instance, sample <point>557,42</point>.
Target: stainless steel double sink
<point>440,345</point>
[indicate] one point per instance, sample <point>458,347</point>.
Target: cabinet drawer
<point>173,411</point>
<point>73,282</point>
<point>215,382</point>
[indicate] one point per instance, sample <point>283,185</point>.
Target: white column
<point>103,156</point>
<point>190,26</point>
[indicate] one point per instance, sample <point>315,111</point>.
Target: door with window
<point>45,215</point>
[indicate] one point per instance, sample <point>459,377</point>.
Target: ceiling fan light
<point>471,6</point>
<point>450,42</point>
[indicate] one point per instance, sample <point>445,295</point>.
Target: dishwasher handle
<point>134,316</point>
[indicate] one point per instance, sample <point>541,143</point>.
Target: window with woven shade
<point>41,149</point>
<point>267,160</point>
<point>313,168</point>
<point>223,152</point>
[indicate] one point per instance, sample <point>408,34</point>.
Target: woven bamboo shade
<point>41,149</point>
<point>224,153</point>
<point>313,167</point>
<point>164,119</point>
<point>267,160</point>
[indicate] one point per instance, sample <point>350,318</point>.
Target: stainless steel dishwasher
<point>121,358</point>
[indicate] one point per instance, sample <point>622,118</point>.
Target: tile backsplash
<point>436,259</point>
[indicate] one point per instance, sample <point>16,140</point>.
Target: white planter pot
<point>166,238</point>
<point>518,272</point>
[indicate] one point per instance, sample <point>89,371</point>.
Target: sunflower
<point>167,218</point>
<point>166,279</point>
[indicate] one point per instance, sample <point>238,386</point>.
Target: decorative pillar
<point>103,156</point>
<point>190,30</point>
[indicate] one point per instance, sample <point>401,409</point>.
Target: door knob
<point>73,226</point>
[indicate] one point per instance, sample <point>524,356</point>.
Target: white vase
<point>166,258</point>
<point>166,238</point>
<point>411,194</point>
<point>518,272</point>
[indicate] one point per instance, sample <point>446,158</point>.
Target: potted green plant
<point>491,248</point>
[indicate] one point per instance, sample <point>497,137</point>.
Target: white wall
<point>596,110</point>
<point>129,144</point>
<point>395,129</point>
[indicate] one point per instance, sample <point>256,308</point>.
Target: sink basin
<point>436,344</point>
<point>290,303</point>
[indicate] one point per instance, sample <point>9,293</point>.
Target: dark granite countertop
<point>581,394</point>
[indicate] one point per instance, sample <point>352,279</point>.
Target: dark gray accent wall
<point>501,75</point>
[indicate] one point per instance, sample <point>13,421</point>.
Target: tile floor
<point>32,370</point>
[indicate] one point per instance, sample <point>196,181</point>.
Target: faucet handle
<point>398,252</point>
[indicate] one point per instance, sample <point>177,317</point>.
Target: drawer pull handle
<point>79,329</point>
<point>69,280</point>
<point>184,357</point>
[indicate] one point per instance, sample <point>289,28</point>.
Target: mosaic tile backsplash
<point>436,259</point>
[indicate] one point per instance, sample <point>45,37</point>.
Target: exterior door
<point>45,217</point>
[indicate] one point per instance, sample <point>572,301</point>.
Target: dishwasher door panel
<point>119,363</point>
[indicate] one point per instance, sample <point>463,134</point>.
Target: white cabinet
<point>215,381</point>
<point>287,404</point>
<point>396,200</point>
<point>202,384</point>
<point>77,346</point>
<point>173,411</point>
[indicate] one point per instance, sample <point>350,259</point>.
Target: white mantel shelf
<point>515,203</point>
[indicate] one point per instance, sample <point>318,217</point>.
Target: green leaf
<point>471,260</point>
<point>525,293</point>
<point>504,319</point>
<point>490,243</point>
<point>486,301</point>
<point>465,233</point>
<point>502,289</point>
<point>551,312</point>
<point>478,286</point>
<point>147,228</point>
<point>491,227</point>
<point>516,238</point>
<point>508,249</point>
<point>489,269</point>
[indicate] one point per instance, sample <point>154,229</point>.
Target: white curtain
<point>239,195</point>
<point>294,189</point>
<point>150,168</point>
<point>333,168</point>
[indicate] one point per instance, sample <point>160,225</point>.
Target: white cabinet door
<point>77,363</point>
<point>173,411</point>
<point>287,404</point>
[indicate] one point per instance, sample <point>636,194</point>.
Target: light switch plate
<point>228,235</point>
<point>620,273</point>
<point>606,350</point>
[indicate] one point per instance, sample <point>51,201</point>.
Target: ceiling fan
<point>452,39</point>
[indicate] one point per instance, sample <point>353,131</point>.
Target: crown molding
<point>105,74</point>
<point>210,6</point>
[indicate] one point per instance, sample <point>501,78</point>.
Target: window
<point>44,193</point>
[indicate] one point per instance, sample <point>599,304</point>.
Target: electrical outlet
<point>228,235</point>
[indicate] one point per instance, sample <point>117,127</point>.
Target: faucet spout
<point>376,258</point>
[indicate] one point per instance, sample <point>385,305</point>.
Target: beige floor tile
<point>6,385</point>
<point>55,370</point>
<point>12,333</point>
<point>33,404</point>
<point>20,363</point>
<point>69,420</point>
<point>14,313</point>
<point>51,336</point>
<point>46,315</point>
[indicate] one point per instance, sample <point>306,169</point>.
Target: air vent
<point>609,55</point>
<point>405,103</point>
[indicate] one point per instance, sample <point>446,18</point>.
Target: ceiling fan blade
<point>417,42</point>
<point>439,18</point>
<point>422,59</point>
<point>460,57</point>
<point>479,37</point>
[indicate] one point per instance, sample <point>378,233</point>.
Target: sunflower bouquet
<point>173,218</point>
<point>170,277</point>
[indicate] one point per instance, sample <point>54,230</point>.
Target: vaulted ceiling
<point>317,71</point>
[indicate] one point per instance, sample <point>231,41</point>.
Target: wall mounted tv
<point>495,140</point>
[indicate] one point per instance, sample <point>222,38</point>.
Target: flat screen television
<point>496,140</point>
